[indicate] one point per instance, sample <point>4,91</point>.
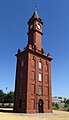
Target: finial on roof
<point>35,8</point>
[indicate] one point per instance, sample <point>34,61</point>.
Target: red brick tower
<point>33,73</point>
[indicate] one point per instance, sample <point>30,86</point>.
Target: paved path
<point>56,115</point>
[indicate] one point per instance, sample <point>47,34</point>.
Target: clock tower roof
<point>35,16</point>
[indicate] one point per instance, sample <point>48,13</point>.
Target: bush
<point>57,106</point>
<point>68,109</point>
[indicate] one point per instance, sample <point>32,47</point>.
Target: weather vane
<point>35,8</point>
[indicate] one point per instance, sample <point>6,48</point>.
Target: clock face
<point>38,26</point>
<point>31,26</point>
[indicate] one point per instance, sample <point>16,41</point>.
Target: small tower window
<point>33,63</point>
<point>40,65</point>
<point>20,103</point>
<point>22,75</point>
<point>40,77</point>
<point>46,66</point>
<point>20,88</point>
<point>31,26</point>
<point>22,63</point>
<point>40,90</point>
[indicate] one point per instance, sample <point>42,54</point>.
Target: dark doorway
<point>40,106</point>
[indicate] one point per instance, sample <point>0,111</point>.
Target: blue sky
<point>14,15</point>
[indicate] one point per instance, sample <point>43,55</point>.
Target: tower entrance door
<point>40,106</point>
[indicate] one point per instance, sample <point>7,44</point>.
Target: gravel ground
<point>56,115</point>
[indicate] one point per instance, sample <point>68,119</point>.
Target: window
<point>46,66</point>
<point>40,90</point>
<point>46,79</point>
<point>20,103</point>
<point>40,65</point>
<point>33,75</point>
<point>33,104</point>
<point>47,91</point>
<point>32,89</point>
<point>40,77</point>
<point>22,75</point>
<point>33,63</point>
<point>22,63</point>
<point>20,88</point>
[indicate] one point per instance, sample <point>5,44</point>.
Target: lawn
<point>56,115</point>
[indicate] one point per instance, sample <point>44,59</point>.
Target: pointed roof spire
<point>35,14</point>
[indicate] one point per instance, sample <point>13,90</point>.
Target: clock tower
<point>33,91</point>
<point>35,31</point>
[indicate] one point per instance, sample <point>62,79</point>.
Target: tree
<point>6,98</point>
<point>57,106</point>
<point>9,98</point>
<point>2,95</point>
<point>67,103</point>
<point>53,104</point>
<point>66,107</point>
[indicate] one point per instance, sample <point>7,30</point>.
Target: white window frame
<point>40,65</point>
<point>40,77</point>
